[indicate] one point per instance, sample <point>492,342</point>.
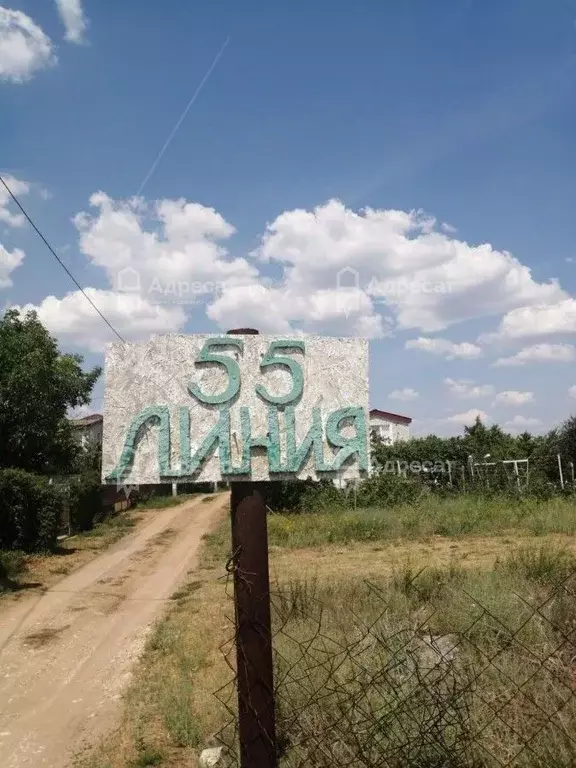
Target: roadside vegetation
<point>425,616</point>
<point>433,516</point>
<point>417,622</point>
<point>442,584</point>
<point>49,484</point>
<point>21,571</point>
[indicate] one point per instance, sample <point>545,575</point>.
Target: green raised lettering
<point>219,436</point>
<point>348,445</point>
<point>270,441</point>
<point>296,456</point>
<point>231,366</point>
<point>153,415</point>
<point>270,358</point>
<point>184,430</point>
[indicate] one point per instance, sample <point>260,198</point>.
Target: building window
<point>384,432</point>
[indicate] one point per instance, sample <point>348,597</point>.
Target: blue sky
<point>429,147</point>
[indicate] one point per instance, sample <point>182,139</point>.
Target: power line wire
<point>58,259</point>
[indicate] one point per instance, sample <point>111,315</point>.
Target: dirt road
<point>66,655</point>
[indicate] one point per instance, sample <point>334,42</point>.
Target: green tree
<point>567,439</point>
<point>480,440</point>
<point>38,384</point>
<point>527,445</point>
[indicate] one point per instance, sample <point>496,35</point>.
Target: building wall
<point>90,435</point>
<point>389,431</point>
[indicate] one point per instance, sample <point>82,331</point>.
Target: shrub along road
<point>66,656</point>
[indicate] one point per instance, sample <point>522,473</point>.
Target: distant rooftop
<point>87,421</point>
<point>391,416</point>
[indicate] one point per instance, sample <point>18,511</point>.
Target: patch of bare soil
<point>66,653</point>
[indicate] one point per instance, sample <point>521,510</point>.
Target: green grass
<point>461,516</point>
<point>147,757</point>
<point>160,502</point>
<point>111,528</point>
<point>544,566</point>
<point>458,517</point>
<point>216,549</point>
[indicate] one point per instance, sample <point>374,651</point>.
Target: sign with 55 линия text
<point>196,408</point>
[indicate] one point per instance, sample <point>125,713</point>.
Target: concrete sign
<point>223,407</point>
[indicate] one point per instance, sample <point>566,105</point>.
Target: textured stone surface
<point>156,375</point>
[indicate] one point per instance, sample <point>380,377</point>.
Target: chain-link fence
<point>427,669</point>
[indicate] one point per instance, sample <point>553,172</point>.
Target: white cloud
<point>73,18</point>
<point>539,320</point>
<point>343,272</point>
<point>250,306</point>
<point>80,412</point>
<point>469,417</point>
<point>9,261</point>
<point>405,394</point>
<point>513,397</point>
<point>540,353</point>
<point>572,392</point>
<point>424,277</point>
<point>466,389</point>
<point>445,348</point>
<point>24,47</point>
<point>171,244</point>
<point>279,309</point>
<point>74,321</point>
<point>523,422</point>
<point>19,188</point>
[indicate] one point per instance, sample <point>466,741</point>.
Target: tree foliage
<point>38,384</point>
<point>478,442</point>
<point>29,511</point>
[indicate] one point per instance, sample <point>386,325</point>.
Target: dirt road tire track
<point>66,656</point>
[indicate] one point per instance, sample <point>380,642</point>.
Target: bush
<point>84,501</point>
<point>29,511</point>
<point>288,495</point>
<point>12,564</point>
<point>380,490</point>
<point>386,489</point>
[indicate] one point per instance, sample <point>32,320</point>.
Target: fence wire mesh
<point>421,671</point>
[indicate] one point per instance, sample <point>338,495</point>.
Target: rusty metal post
<point>256,711</point>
